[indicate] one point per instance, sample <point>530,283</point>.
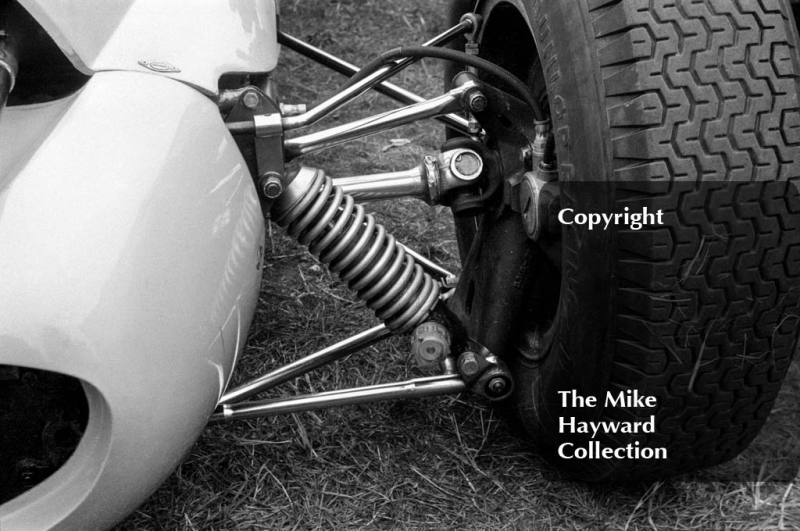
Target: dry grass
<point>446,463</point>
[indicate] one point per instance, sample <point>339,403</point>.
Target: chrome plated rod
<point>341,66</point>
<point>416,388</point>
<point>331,104</point>
<point>303,365</point>
<point>373,81</point>
<point>443,104</point>
<point>381,186</point>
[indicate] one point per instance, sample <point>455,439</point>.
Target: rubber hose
<point>456,56</point>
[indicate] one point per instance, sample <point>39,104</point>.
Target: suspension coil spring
<point>350,242</point>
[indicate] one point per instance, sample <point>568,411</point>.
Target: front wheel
<point>689,109</point>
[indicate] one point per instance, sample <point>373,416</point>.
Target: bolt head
<point>468,363</point>
<point>250,99</point>
<point>477,102</point>
<point>473,127</point>
<point>271,186</point>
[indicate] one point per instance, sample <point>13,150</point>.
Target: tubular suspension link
<point>350,242</point>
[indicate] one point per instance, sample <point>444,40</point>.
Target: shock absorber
<point>338,232</point>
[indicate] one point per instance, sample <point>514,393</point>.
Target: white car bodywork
<point>131,239</point>
<point>201,39</point>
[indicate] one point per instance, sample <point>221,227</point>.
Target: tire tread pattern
<point>709,303</point>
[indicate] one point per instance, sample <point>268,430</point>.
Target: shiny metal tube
<point>341,98</point>
<point>417,388</point>
<point>303,365</point>
<point>443,104</point>
<point>343,67</point>
<point>405,183</point>
<point>331,104</point>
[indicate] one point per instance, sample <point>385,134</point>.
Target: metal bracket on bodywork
<point>269,157</point>
<point>262,151</point>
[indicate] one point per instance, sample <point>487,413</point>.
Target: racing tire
<point>691,109</point>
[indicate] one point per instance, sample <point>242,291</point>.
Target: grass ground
<point>445,463</point>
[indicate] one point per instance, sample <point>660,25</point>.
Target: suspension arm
<point>356,89</point>
<point>388,89</point>
<point>308,363</point>
<point>446,103</point>
<point>447,384</point>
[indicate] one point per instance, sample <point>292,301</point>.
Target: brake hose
<point>455,56</point>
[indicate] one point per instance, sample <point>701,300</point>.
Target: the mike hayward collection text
<point>628,399</point>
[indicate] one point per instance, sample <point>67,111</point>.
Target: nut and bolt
<point>497,386</point>
<point>477,102</point>
<point>468,363</point>
<point>271,185</point>
<point>473,127</point>
<point>250,99</point>
<point>430,343</point>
